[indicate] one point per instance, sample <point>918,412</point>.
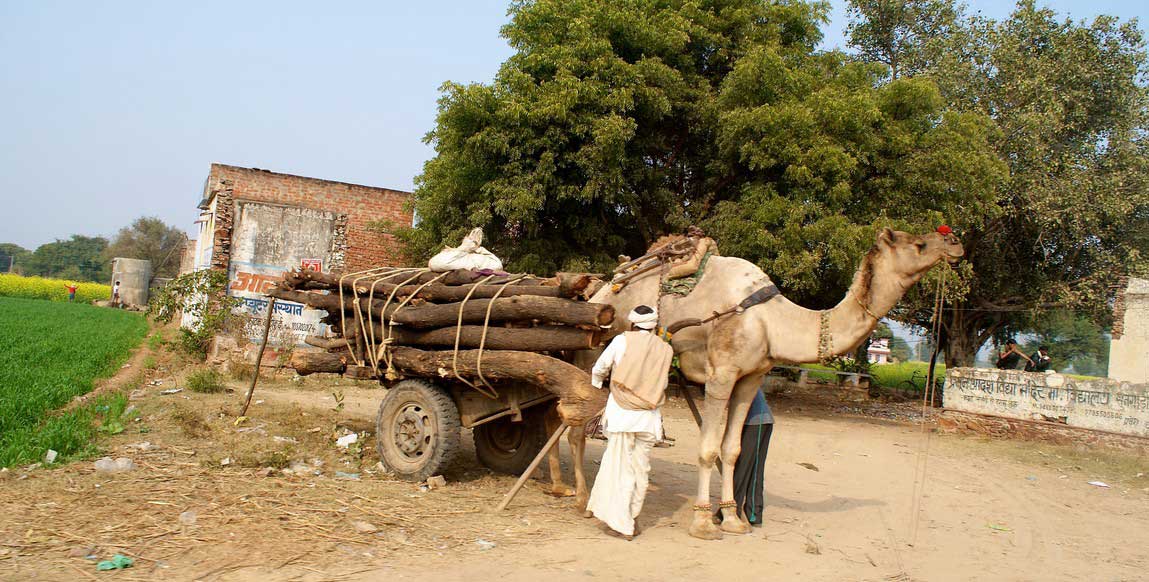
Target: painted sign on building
<point>1099,404</point>
<point>267,240</point>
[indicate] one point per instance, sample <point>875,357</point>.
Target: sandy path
<point>851,519</point>
<point>989,511</point>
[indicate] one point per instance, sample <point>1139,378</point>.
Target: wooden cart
<point>420,421</point>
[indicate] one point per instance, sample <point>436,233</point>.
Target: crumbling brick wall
<point>224,217</point>
<point>361,248</point>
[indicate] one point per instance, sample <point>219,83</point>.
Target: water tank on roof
<point>134,276</point>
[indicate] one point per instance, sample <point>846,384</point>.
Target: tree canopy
<point>1069,103</point>
<point>151,239</point>
<point>615,123</point>
<point>79,258</point>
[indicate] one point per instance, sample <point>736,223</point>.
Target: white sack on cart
<point>469,255</point>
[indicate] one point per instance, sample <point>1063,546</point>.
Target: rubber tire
<point>438,411</point>
<point>530,436</point>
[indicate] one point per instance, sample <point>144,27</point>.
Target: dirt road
<point>988,510</point>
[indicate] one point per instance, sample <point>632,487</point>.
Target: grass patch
<point>205,381</point>
<point>242,371</point>
<point>51,353</point>
<point>51,289</point>
<point>884,375</point>
<point>157,342</point>
<point>191,423</point>
<point>893,375</point>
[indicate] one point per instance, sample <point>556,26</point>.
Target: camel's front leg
<point>744,392</point>
<point>577,440</point>
<point>718,389</point>
<point>559,489</point>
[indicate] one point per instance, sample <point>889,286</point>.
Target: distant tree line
<point>89,258</point>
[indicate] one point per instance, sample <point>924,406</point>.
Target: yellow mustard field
<point>51,289</point>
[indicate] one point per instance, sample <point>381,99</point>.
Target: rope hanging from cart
<point>391,272</point>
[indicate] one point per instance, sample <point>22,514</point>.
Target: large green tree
<point>599,134</point>
<point>152,239</point>
<point>614,123</point>
<point>1069,103</point>
<point>79,258</point>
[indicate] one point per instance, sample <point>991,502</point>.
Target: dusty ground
<point>988,510</point>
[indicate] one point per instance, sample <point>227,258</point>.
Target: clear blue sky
<point>113,110</point>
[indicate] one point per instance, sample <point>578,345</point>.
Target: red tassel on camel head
<point>945,230</point>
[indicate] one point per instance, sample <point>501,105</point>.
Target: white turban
<point>643,320</point>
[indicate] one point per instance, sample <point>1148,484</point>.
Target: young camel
<point>732,354</point>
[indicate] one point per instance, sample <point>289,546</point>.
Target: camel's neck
<point>873,293</point>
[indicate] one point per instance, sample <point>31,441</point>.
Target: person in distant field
<point>1039,361</point>
<point>71,287</point>
<point>1010,356</point>
<point>638,362</point>
<point>116,294</point>
<point>750,468</point>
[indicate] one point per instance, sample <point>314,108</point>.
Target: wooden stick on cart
<point>259,356</point>
<point>531,469</point>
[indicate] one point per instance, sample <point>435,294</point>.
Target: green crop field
<point>884,375</point>
<point>893,375</point>
<point>49,353</point>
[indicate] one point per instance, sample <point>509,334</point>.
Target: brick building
<point>255,224</point>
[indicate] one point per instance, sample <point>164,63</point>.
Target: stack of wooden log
<point>376,314</point>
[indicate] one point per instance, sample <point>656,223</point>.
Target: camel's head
<point>912,255</point>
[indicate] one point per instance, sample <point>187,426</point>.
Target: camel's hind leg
<point>558,488</point>
<point>577,440</point>
<point>744,392</point>
<point>718,388</point>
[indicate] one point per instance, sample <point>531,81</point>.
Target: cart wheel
<point>417,430</point>
<point>509,447</point>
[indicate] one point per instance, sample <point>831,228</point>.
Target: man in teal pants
<point>749,477</point>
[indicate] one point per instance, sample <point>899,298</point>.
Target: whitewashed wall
<point>1109,405</point>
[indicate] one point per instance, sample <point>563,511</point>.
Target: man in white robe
<point>638,363</point>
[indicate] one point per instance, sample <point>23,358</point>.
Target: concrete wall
<point>1129,349</point>
<point>135,277</point>
<point>1108,405</point>
<point>266,240</point>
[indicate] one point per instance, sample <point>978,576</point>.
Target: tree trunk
<point>521,308</point>
<point>964,332</point>
<point>529,339</point>
<point>568,285</point>
<point>305,362</point>
<point>578,400</point>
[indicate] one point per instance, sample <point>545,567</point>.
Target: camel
<point>731,354</point>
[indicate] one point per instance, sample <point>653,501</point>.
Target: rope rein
<point>920,469</point>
